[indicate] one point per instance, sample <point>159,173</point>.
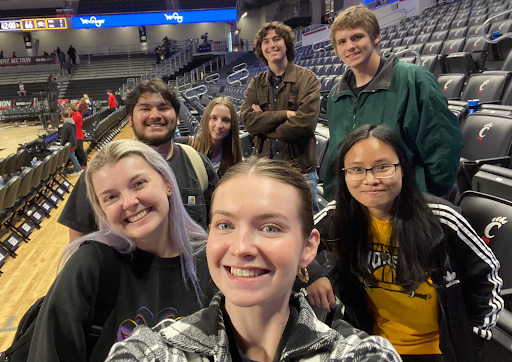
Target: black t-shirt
<point>234,348</point>
<point>150,290</point>
<point>79,215</point>
<point>351,79</point>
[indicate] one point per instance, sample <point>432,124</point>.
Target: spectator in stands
<point>68,134</point>
<point>111,101</point>
<point>404,96</point>
<point>62,58</point>
<point>1,54</point>
<point>82,107</point>
<point>281,105</point>
<point>255,316</point>
<point>50,78</point>
<point>119,100</point>
<point>410,267</point>
<point>218,137</point>
<point>68,64</point>
<point>152,240</point>
<point>53,86</point>
<point>72,54</point>
<point>21,89</point>
<point>77,118</point>
<point>159,54</point>
<point>152,112</point>
<point>88,101</point>
<point>45,54</point>
<point>13,55</point>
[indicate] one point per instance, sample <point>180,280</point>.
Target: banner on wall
<point>176,17</point>
<point>27,61</point>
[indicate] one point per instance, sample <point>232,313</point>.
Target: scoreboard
<point>33,24</point>
<point>10,25</point>
<point>43,24</point>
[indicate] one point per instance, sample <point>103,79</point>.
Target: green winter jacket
<point>407,98</point>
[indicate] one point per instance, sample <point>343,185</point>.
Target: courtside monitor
<point>170,17</point>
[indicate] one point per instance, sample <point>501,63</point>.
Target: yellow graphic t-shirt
<point>407,320</point>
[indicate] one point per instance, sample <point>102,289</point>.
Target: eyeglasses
<point>380,171</point>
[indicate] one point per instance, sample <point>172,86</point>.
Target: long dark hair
<point>415,229</point>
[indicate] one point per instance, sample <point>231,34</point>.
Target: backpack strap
<point>197,164</point>
<point>108,289</point>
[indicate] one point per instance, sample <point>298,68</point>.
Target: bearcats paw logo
<point>498,221</point>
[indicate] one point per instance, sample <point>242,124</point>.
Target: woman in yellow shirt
<point>411,268</point>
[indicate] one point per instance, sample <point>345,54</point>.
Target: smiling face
<point>377,194</point>
<point>153,119</point>
<point>133,197</point>
<point>256,242</point>
<point>273,47</point>
<point>355,47</point>
<point>219,124</point>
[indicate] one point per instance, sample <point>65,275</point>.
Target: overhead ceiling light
<point>244,15</point>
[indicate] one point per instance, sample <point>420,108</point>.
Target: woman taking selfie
<point>410,270</point>
<point>140,269</point>
<point>259,242</point>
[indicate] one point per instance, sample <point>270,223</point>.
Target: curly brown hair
<point>283,31</point>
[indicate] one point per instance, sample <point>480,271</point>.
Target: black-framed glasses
<point>380,171</point>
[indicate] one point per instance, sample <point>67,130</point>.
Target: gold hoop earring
<point>303,275</point>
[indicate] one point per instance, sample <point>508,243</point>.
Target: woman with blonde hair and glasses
<point>218,136</point>
<point>152,245</point>
<point>410,267</point>
<point>261,237</point>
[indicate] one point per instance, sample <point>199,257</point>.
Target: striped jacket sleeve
<point>480,280</point>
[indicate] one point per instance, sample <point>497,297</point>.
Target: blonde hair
<point>184,233</point>
<point>231,149</point>
<point>358,16</point>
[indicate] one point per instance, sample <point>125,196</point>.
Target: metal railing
<point>198,94</point>
<point>418,55</point>
<point>488,37</point>
<point>240,72</point>
<point>171,65</point>
<point>117,49</point>
<point>207,70</point>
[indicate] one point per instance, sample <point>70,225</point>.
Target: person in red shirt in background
<point>111,101</point>
<point>77,118</point>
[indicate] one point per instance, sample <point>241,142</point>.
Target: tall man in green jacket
<point>404,96</point>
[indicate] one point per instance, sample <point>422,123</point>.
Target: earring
<point>169,192</point>
<point>303,276</point>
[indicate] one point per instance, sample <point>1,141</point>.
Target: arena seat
<point>452,84</point>
<point>488,86</point>
<point>471,59</point>
<point>487,140</point>
<point>494,180</point>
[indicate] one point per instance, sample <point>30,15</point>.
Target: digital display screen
<point>57,23</point>
<point>170,17</point>
<point>10,25</point>
<point>28,24</point>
